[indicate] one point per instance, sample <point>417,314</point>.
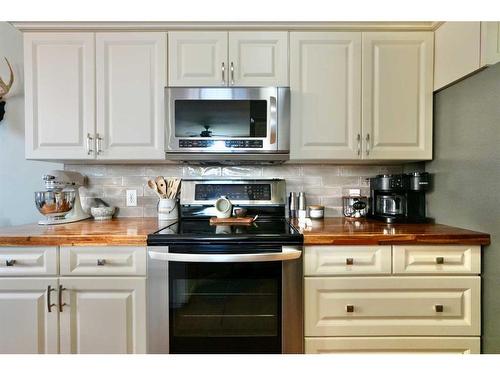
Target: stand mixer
<point>60,203</point>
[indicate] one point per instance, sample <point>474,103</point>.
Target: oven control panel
<point>207,143</point>
<point>237,192</point>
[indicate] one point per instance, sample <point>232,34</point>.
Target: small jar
<point>316,212</point>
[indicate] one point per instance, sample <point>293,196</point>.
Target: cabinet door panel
<point>258,58</point>
<point>490,43</point>
<point>60,95</point>
<point>103,316</point>
<point>397,95</point>
<point>130,95</point>
<point>392,345</point>
<point>325,81</point>
<point>197,58</point>
<point>26,326</point>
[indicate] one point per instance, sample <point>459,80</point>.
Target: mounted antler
<point>5,88</point>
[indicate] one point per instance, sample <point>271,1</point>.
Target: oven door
<point>223,303</point>
<point>222,119</point>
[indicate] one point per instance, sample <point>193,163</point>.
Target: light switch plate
<point>131,198</point>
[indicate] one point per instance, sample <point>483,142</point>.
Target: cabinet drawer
<point>388,345</point>
<point>453,259</point>
<point>28,261</point>
<point>403,306</point>
<point>109,260</point>
<point>347,260</point>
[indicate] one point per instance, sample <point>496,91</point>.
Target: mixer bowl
<point>55,204</point>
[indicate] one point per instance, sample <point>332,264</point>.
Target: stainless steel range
<point>226,288</point>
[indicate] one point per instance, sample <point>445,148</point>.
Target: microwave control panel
<point>207,143</point>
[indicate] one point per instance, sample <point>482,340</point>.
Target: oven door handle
<point>287,253</point>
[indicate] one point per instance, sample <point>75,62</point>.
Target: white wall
<point>19,178</point>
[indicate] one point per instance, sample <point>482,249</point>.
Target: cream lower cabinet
<point>103,315</point>
<point>427,301</point>
<point>26,324</point>
<point>56,314</point>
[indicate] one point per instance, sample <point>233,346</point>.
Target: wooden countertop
<point>339,231</point>
<point>330,231</point>
<point>122,231</point>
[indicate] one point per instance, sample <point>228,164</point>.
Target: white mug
<point>223,208</point>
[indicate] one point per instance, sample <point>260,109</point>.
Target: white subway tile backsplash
<point>323,184</point>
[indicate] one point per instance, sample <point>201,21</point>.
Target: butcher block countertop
<point>330,231</point>
<point>340,231</point>
<point>122,231</point>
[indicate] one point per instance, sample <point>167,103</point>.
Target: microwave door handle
<point>273,119</point>
<point>287,253</point>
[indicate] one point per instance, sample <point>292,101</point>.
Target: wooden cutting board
<point>232,221</point>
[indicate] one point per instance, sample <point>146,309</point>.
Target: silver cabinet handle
<point>223,69</point>
<point>232,74</point>
<point>101,262</point>
<point>99,144</point>
<point>50,305</point>
<point>61,304</point>
<point>349,261</point>
<point>358,138</point>
<point>368,144</point>
<point>439,308</point>
<point>439,260</point>
<point>288,253</point>
<point>10,262</point>
<point>89,144</point>
<point>349,308</point>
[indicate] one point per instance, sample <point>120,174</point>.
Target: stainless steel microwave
<point>224,124</point>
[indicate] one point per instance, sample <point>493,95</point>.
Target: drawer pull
<point>50,305</point>
<point>101,262</point>
<point>349,261</point>
<point>439,260</point>
<point>439,308</point>
<point>349,308</point>
<point>10,262</point>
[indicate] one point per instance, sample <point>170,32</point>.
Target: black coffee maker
<point>399,198</point>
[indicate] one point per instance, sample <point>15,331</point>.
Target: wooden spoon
<point>152,186</point>
<point>162,186</point>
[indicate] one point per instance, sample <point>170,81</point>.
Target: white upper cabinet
<point>130,76</point>
<point>197,58</point>
<point>26,325</point>
<point>490,43</point>
<point>60,95</point>
<point>103,315</point>
<point>258,58</point>
<point>397,95</point>
<point>457,51</point>
<point>325,83</point>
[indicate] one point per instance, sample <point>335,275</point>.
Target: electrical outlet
<point>131,198</point>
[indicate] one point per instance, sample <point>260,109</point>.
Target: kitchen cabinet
<point>258,58</point>
<point>50,313</point>
<point>130,78</point>
<point>104,315</point>
<point>325,84</point>
<point>457,51</point>
<point>60,95</point>
<point>95,96</point>
<point>490,43</point>
<point>392,345</point>
<point>221,58</point>
<point>430,302</point>
<point>26,325</point>
<point>361,96</point>
<point>397,69</point>
<point>197,58</point>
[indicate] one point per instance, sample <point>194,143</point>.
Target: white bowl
<point>102,213</point>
